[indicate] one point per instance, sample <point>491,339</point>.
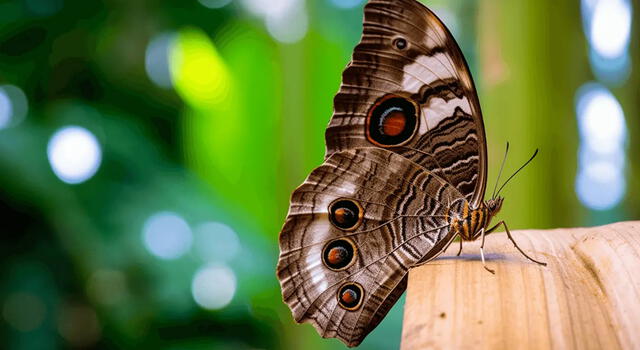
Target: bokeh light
<point>74,154</point>
<point>216,242</point>
<point>607,25</point>
<point>13,105</point>
<point>287,20</point>
<point>269,7</point>
<point>167,235</point>
<point>600,182</point>
<point>610,27</point>
<point>6,109</point>
<point>289,26</point>
<point>600,185</point>
<point>600,119</point>
<point>157,59</point>
<point>213,287</point>
<point>198,71</point>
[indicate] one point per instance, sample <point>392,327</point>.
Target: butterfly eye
<point>345,214</point>
<point>392,121</point>
<point>350,296</point>
<point>400,44</point>
<point>339,254</point>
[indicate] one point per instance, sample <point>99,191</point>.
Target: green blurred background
<point>148,149</point>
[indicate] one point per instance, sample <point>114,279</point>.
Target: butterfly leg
<point>514,242</point>
<point>460,250</point>
<point>482,233</point>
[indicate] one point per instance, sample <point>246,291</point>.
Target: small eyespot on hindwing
<point>350,296</point>
<point>345,214</point>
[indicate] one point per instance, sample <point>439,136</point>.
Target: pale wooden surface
<point>588,297</point>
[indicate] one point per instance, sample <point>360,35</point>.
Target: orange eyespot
<point>392,121</point>
<point>394,124</point>
<point>345,214</point>
<point>350,296</point>
<point>339,254</point>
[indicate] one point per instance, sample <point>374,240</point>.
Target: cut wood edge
<point>587,297</point>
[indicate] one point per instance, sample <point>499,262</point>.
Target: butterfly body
<point>468,222</point>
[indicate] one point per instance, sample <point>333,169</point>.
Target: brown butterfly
<point>405,173</point>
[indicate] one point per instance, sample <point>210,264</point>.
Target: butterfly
<point>404,174</point>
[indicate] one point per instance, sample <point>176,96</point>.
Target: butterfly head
<point>494,205</point>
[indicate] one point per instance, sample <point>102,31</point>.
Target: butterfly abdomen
<point>469,222</point>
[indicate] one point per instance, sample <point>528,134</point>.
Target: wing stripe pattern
<point>431,71</point>
<point>395,235</point>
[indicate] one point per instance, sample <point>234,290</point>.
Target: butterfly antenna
<point>500,173</point>
<point>517,171</point>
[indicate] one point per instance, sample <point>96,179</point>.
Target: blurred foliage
<point>239,125</point>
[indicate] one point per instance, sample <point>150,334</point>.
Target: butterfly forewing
<point>403,216</point>
<point>407,53</point>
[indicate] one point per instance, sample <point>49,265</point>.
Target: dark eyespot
<point>350,296</point>
<point>392,121</point>
<point>345,214</point>
<point>338,254</point>
<point>400,43</point>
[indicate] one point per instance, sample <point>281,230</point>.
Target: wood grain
<point>588,297</point>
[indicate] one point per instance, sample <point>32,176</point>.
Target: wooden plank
<point>588,297</point>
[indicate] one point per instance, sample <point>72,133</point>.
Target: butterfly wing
<point>359,221</point>
<point>408,89</point>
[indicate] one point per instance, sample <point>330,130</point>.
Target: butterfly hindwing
<point>399,216</point>
<point>408,61</point>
